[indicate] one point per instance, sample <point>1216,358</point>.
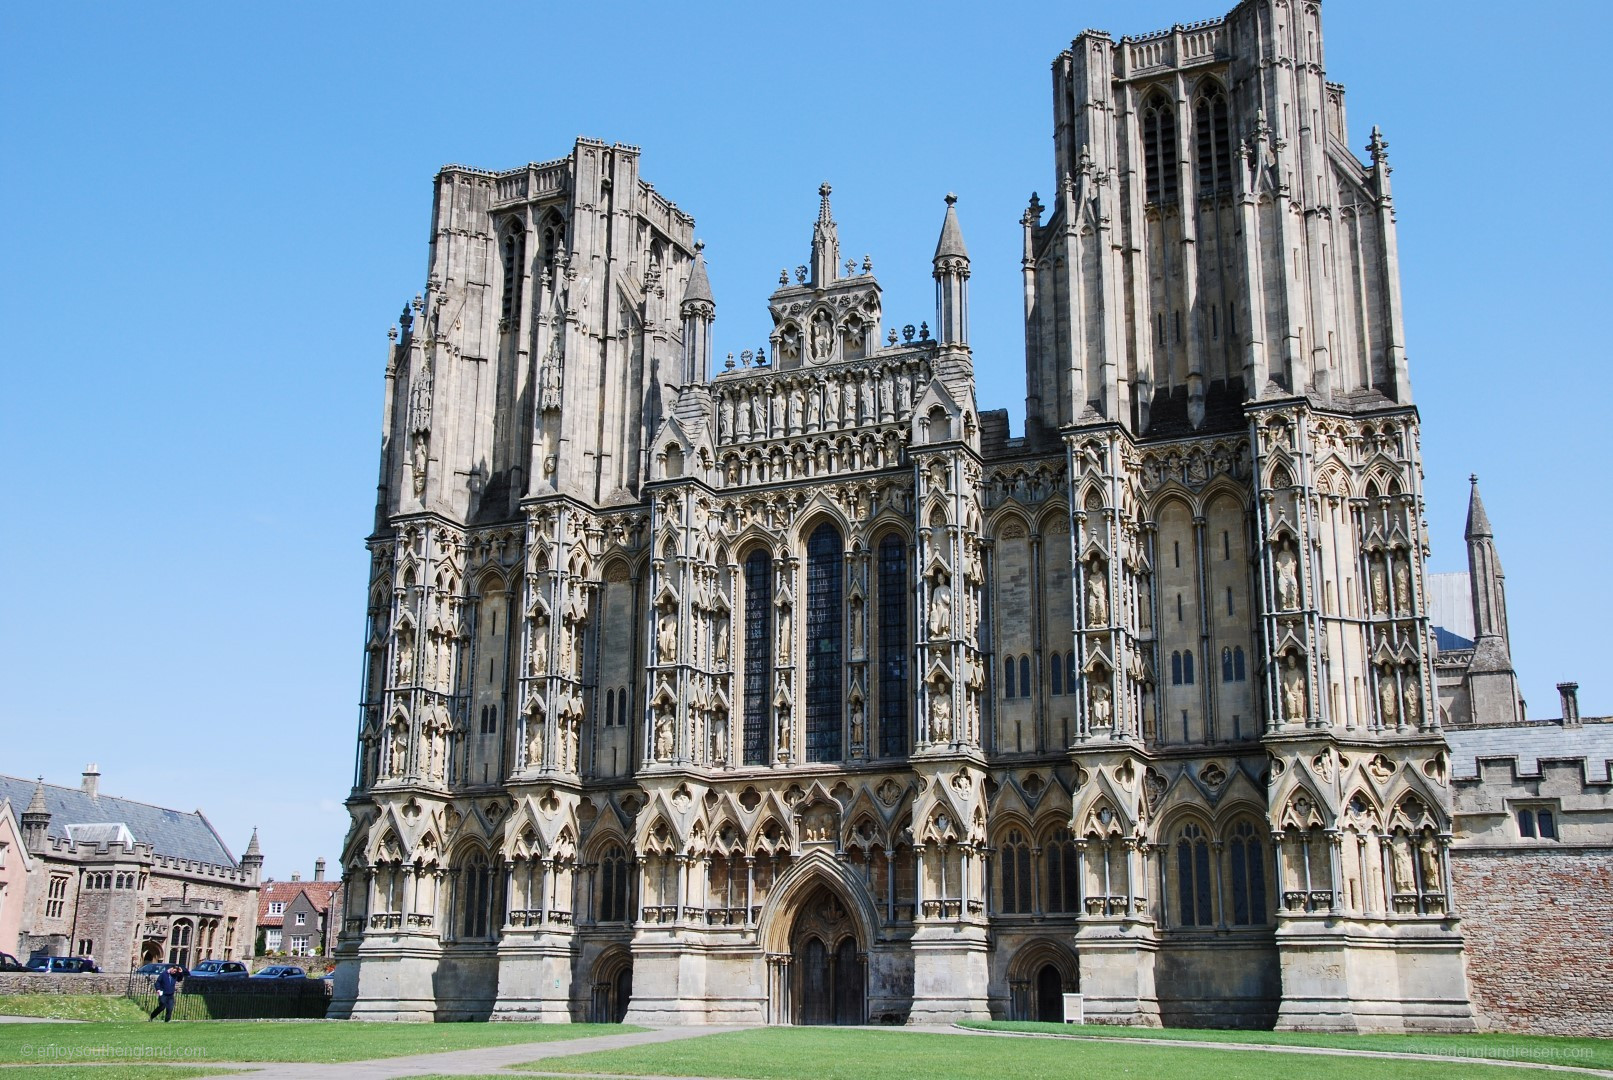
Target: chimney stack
<point>92,780</point>
<point>1570,693</point>
<point>296,876</point>
<point>319,869</point>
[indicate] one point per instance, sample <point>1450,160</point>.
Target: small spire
<point>253,851</point>
<point>699,288</point>
<point>36,805</point>
<point>825,215</point>
<point>1478,522</point>
<point>950,246</point>
<point>825,242</point>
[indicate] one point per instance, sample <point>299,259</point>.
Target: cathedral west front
<point>795,688</point>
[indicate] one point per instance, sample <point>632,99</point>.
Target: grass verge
<point>284,1040</point>
<point>852,1054</point>
<point>1536,1049</point>
<point>70,1006</point>
<point>110,1072</point>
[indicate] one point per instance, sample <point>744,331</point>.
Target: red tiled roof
<point>320,894</point>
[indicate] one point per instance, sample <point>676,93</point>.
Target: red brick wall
<point>1538,924</point>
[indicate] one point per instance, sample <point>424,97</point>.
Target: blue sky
<point>213,212</point>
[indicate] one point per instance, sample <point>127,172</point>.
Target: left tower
<point>523,386</point>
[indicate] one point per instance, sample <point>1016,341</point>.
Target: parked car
<point>281,971</point>
<point>64,965</point>
<point>152,969</point>
<point>11,963</point>
<point>219,969</point>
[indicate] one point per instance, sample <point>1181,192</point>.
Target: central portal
<point>830,985</point>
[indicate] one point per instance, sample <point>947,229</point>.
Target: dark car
<point>65,965</point>
<point>152,969</point>
<point>219,969</point>
<point>11,963</point>
<point>281,971</point>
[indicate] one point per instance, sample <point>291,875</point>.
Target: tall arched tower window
<point>1159,148</point>
<point>758,652</point>
<point>824,632</point>
<point>1193,876</point>
<point>512,247</point>
<point>892,646</point>
<point>1214,149</point>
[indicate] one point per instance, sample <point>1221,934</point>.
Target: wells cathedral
<point>794,688</point>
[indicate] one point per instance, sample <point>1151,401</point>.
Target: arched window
<point>179,944</point>
<point>893,643</point>
<point>476,897</point>
<point>1055,670</point>
<point>513,249</point>
<point>758,652</point>
<point>825,626</point>
<point>1193,877</point>
<point>1016,863</point>
<point>1176,669</point>
<point>1159,149</point>
<point>1214,150</point>
<point>621,705</point>
<point>1226,665</point>
<point>1248,865</point>
<point>1238,671</point>
<point>1063,881</point>
<point>1008,676</point>
<point>613,883</point>
<point>610,708</point>
<point>1187,666</point>
<point>1025,676</point>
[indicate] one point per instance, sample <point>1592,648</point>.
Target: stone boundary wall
<point>13,982</point>
<point>1537,923</point>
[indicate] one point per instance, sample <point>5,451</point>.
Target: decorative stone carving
<point>666,639</point>
<point>1097,594</point>
<point>1287,579</point>
<point>1428,858</point>
<point>941,715</point>
<point>1379,586</point>
<point>1102,706</point>
<point>822,336</point>
<point>1293,680</point>
<point>664,733</point>
<point>1388,708</point>
<point>1402,585</point>
<point>941,611</point>
<point>1401,860</point>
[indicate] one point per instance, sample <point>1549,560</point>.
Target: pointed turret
<point>699,311</point>
<point>825,241</point>
<point>36,820</point>
<point>1492,683</point>
<point>252,858</point>
<point>951,280</point>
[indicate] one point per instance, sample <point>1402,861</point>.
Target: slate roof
<point>173,833</point>
<point>1531,742</point>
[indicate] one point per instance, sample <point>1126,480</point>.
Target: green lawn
<point>70,1006</point>
<point>107,1072</point>
<point>850,1054</point>
<point>285,1040</point>
<point>1541,1049</point>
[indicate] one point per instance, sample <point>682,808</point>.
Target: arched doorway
<point>612,986</point>
<point>830,986</point>
<point>1049,995</point>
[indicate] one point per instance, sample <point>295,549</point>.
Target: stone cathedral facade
<point>795,689</point>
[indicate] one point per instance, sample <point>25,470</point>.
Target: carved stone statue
<point>1102,706</point>
<point>941,715</point>
<point>1388,703</point>
<point>796,407</point>
<point>1380,588</point>
<point>400,750</point>
<point>719,738</point>
<point>719,635</point>
<point>783,733</point>
<point>417,463</point>
<point>784,633</point>
<point>1401,858</point>
<point>534,742</point>
<point>813,406</point>
<point>1293,689</point>
<point>1287,580</point>
<point>1097,596</point>
<point>822,336</point>
<point>666,639</point>
<point>405,658</point>
<point>1428,858</point>
<point>663,733</point>
<point>539,661</point>
<point>941,611</point>
<point>1413,700</point>
<point>1403,586</point>
<point>857,724</point>
<point>832,410</point>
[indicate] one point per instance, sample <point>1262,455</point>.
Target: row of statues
<point>797,406</point>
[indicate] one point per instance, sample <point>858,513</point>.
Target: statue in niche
<point>856,724</point>
<point>1428,858</point>
<point>1097,595</point>
<point>742,420</point>
<point>866,387</point>
<point>1400,850</point>
<point>885,394</point>
<point>783,732</point>
<point>666,639</point>
<point>400,750</point>
<point>784,633</point>
<point>1287,579</point>
<point>1380,587</point>
<point>566,645</point>
<point>1102,706</point>
<point>940,715</point>
<point>941,611</point>
<point>1387,699</point>
<point>1403,585</point>
<point>796,406</point>
<point>534,741</point>
<point>568,743</point>
<point>405,658</point>
<point>823,333</point>
<point>832,408</point>
<point>720,642</point>
<point>664,732</point>
<point>418,453</point>
<point>725,419</point>
<point>1293,689</point>
<point>758,418</point>
<point>719,738</point>
<point>813,407</point>
<point>1413,700</point>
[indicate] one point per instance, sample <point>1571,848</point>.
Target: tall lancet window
<point>892,646</point>
<point>825,626</point>
<point>1159,148</point>
<point>1214,149</point>
<point>758,652</point>
<point>513,249</point>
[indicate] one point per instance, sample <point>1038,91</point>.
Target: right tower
<point>1213,335</point>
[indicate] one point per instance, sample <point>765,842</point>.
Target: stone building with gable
<point>126,882</point>
<point>799,690</point>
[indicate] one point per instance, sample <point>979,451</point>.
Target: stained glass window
<point>825,627</point>
<point>892,646</point>
<point>758,653</point>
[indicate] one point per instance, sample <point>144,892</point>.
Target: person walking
<point>167,985</point>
